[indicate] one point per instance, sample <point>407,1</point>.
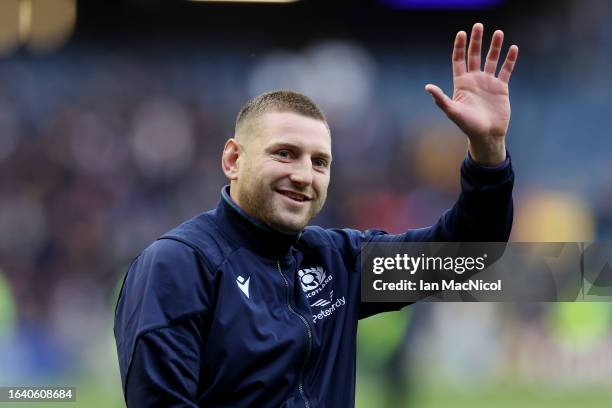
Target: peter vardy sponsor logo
<point>323,314</point>
<point>313,280</point>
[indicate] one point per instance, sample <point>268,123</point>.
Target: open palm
<point>480,105</point>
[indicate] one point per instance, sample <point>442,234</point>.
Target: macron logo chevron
<point>243,284</point>
<point>321,303</point>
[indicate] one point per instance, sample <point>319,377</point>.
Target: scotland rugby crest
<point>314,280</point>
<point>311,278</point>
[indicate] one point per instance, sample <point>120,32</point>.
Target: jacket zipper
<point>301,377</point>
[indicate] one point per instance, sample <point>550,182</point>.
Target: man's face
<point>284,170</point>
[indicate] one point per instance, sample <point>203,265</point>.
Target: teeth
<point>294,196</point>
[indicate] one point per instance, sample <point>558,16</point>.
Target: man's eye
<point>285,154</point>
<point>320,162</point>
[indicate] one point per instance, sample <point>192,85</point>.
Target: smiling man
<point>279,163</point>
<point>246,305</point>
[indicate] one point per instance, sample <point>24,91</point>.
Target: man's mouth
<point>295,195</point>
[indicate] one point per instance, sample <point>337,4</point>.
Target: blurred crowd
<point>103,151</point>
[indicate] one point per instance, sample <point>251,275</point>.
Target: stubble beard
<point>258,201</point>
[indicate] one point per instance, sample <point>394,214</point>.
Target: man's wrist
<point>489,155</point>
<point>501,166</point>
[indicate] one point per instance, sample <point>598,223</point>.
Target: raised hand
<point>481,104</point>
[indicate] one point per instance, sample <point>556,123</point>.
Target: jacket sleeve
<point>482,213</point>
<point>161,325</point>
<point>165,366</point>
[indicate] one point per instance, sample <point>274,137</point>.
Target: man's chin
<point>287,226</point>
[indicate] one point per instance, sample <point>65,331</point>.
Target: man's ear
<point>229,160</point>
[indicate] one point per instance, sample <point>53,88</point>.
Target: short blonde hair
<point>282,100</point>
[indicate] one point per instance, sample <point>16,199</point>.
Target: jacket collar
<point>248,231</point>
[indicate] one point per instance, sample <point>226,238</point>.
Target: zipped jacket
<point>224,312</point>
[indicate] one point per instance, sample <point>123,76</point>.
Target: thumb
<point>444,102</point>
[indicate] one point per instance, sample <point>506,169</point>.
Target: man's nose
<point>302,173</point>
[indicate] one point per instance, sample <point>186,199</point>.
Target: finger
<point>459,54</point>
<point>506,70</point>
<point>473,59</point>
<point>494,51</point>
<point>440,98</point>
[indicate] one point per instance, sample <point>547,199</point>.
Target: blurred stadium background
<point>112,120</point>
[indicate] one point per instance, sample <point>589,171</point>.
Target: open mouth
<point>299,197</point>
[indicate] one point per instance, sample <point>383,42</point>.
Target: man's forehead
<point>292,121</point>
<point>289,126</point>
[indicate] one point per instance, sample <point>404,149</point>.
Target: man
<point>245,306</point>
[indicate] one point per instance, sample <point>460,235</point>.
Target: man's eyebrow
<point>280,145</point>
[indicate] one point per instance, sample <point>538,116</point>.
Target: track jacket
<point>224,312</point>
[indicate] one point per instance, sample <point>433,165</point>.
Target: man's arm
<point>483,213</point>
<point>160,325</point>
<point>165,368</point>
<point>480,107</point>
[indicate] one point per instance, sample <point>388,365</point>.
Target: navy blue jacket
<point>224,312</point>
